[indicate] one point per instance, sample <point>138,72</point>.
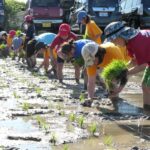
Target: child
<point>96,57</point>
<point>72,51</point>
<point>63,35</point>
<point>92,31</point>
<point>138,46</point>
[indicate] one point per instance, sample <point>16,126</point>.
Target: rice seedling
<point>38,90</point>
<point>93,128</point>
<point>108,141</point>
<point>72,117</point>
<point>53,139</point>
<point>42,123</point>
<point>66,147</point>
<point>80,121</point>
<point>115,71</point>
<point>15,95</point>
<point>82,97</point>
<point>25,106</point>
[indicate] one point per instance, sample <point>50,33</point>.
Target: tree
<point>12,8</point>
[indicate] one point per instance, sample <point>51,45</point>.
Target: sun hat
<point>2,33</point>
<point>81,14</point>
<point>119,29</point>
<point>89,51</point>
<point>39,45</point>
<point>64,29</point>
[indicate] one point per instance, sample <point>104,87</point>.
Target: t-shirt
<point>139,47</point>
<point>92,30</point>
<point>46,38</point>
<point>31,47</point>
<point>17,42</point>
<point>9,41</point>
<point>58,41</point>
<point>112,53</point>
<point>78,47</point>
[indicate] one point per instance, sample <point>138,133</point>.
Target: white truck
<point>136,12</point>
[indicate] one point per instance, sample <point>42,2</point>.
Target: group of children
<point>88,52</point>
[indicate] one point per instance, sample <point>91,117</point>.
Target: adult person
<point>92,31</point>
<point>138,46</point>
<point>96,57</point>
<point>64,35</point>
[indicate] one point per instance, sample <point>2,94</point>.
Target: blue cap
<point>81,15</point>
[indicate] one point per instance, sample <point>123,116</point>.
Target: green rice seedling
<point>93,128</point>
<point>62,113</point>
<point>108,141</point>
<point>82,97</point>
<point>72,117</point>
<point>113,72</point>
<point>25,106</point>
<point>66,147</point>
<point>15,95</point>
<point>53,139</point>
<point>38,90</point>
<point>81,121</point>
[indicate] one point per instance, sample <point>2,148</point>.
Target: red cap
<point>12,33</point>
<point>64,29</point>
<point>28,18</point>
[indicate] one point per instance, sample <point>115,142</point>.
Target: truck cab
<point>46,13</point>
<point>136,12</point>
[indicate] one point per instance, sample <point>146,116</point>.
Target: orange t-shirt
<point>9,41</point>
<point>92,30</point>
<point>112,52</point>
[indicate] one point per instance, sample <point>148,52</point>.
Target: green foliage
<point>12,7</point>
<point>113,70</point>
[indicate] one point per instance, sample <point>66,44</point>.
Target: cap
<point>89,51</point>
<point>81,15</point>
<point>64,29</point>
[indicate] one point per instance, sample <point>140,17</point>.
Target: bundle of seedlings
<point>3,50</point>
<point>115,75</point>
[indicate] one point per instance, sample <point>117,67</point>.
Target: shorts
<point>60,60</point>
<point>146,77</point>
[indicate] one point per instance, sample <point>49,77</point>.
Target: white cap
<point>89,51</point>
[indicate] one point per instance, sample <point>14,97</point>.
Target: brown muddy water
<point>38,113</point>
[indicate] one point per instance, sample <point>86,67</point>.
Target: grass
<point>38,90</point>
<point>15,95</point>
<point>108,141</point>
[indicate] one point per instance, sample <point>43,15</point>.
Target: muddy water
<point>37,112</point>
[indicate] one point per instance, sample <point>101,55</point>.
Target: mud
<point>37,112</point>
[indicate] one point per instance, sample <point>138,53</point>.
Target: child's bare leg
<point>77,73</point>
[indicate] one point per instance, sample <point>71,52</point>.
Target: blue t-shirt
<point>78,47</point>
<point>46,38</point>
<point>17,42</point>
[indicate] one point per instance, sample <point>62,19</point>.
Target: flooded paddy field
<point>38,113</point>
